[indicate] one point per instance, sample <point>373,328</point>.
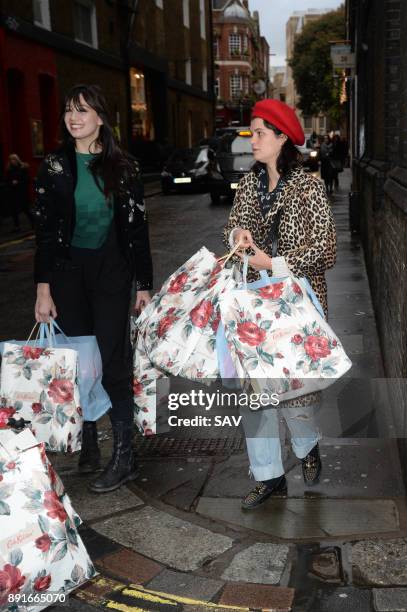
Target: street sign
<point>342,57</point>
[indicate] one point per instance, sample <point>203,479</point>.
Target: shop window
<point>235,86</point>
<point>235,44</point>
<point>202,18</point>
<point>85,22</point>
<point>185,12</point>
<point>141,121</point>
<point>41,14</point>
<point>205,78</point>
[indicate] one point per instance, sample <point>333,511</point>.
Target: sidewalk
<point>177,539</point>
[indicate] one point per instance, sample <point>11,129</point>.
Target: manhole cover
<point>190,447</point>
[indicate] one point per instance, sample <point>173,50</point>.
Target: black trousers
<point>92,294</point>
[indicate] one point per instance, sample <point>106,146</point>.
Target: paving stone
<point>161,476</point>
<point>380,562</point>
<point>186,585</point>
<point>263,563</point>
<point>390,600</point>
<point>94,506</point>
<point>129,565</point>
<point>346,599</point>
<point>361,470</point>
<point>265,597</point>
<point>154,533</point>
<point>307,518</point>
<point>230,478</point>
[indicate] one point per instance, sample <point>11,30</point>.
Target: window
<point>235,85</point>
<point>217,88</point>
<point>188,71</point>
<point>307,122</point>
<point>41,13</point>
<point>202,18</point>
<point>216,48</point>
<point>159,3</point>
<point>205,78</point>
<point>322,124</point>
<point>85,22</point>
<point>142,120</point>
<point>235,46</point>
<point>185,12</point>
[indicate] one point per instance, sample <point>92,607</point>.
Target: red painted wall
<point>22,63</point>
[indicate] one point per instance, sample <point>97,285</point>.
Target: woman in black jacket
<point>92,241</point>
<point>18,182</point>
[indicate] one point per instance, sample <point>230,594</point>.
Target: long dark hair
<point>111,164</point>
<point>289,157</point>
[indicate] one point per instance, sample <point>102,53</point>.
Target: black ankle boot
<point>121,467</point>
<point>312,466</point>
<point>263,490</point>
<point>89,459</point>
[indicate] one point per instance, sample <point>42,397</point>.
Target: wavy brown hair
<point>111,164</point>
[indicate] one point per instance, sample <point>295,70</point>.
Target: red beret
<point>282,117</point>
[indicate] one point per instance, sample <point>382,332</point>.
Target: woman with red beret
<point>277,194</point>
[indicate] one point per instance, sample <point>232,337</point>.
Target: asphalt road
<point>179,225</point>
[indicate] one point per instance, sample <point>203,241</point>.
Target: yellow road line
<point>122,607</point>
<point>138,591</point>
<point>3,245</point>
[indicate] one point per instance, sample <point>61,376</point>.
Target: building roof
<point>236,10</point>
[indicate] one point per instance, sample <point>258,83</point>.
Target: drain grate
<point>190,447</point>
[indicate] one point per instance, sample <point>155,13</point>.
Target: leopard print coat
<point>306,236</point>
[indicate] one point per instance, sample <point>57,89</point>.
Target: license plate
<point>186,179</point>
<point>234,185</point>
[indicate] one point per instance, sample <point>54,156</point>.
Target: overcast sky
<point>274,15</point>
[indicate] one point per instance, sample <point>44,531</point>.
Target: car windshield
<point>237,145</point>
<point>197,154</point>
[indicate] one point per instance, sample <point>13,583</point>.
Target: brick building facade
<point>241,57</point>
<point>378,113</point>
<point>153,59</point>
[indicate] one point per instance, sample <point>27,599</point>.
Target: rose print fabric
<point>279,341</point>
<point>40,385</point>
<point>40,548</point>
<point>179,334</point>
<point>177,331</point>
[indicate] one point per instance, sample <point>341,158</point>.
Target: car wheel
<point>215,199</point>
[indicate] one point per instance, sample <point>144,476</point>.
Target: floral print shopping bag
<point>279,341</point>
<point>41,551</point>
<point>40,385</point>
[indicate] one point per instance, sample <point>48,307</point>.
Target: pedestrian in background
<point>18,183</point>
<point>92,239</point>
<point>327,171</point>
<point>278,187</point>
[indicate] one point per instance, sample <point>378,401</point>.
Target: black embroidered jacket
<point>55,218</point>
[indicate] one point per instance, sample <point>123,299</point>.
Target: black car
<point>231,160</point>
<point>186,169</point>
